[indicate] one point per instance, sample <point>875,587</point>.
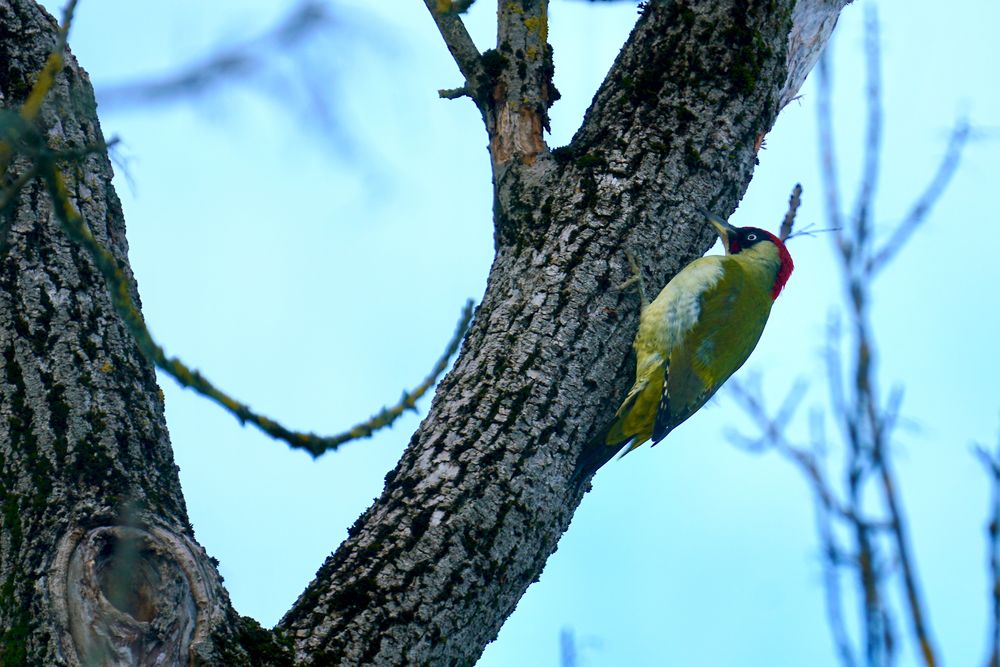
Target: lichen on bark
<point>83,442</point>
<point>490,479</point>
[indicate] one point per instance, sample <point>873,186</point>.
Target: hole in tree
<point>128,577</point>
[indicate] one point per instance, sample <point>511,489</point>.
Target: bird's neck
<point>773,262</point>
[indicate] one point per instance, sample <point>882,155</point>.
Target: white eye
<point>751,237</point>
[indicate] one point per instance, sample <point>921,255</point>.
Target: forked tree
<point>98,564</point>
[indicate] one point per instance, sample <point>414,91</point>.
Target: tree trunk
<point>97,559</point>
<point>493,475</point>
<point>98,564</point>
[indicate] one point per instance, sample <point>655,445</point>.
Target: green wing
<point>732,317</point>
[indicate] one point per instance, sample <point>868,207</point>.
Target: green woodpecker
<point>698,331</point>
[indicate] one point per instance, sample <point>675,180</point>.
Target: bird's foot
<point>635,278</point>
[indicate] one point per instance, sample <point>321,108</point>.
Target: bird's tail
<point>594,455</point>
<point>603,447</point>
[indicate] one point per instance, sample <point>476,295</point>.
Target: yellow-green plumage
<point>696,333</point>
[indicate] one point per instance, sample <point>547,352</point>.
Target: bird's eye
<point>751,237</point>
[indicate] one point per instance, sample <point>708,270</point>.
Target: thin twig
<point>876,628</point>
<point>76,228</point>
<point>772,436</point>
<point>873,142</point>
<point>237,61</point>
<point>918,214</point>
<point>870,424</point>
<point>457,39</point>
<point>793,205</point>
<point>861,402</point>
<point>918,616</point>
<point>831,558</point>
<point>809,231</point>
<point>45,165</point>
<point>833,358</point>
<point>828,161</point>
<point>992,464</point>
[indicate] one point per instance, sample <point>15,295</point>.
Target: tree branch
<point>793,205</point>
<point>488,483</point>
<point>991,463</point>
<point>76,228</point>
<point>458,40</point>
<point>813,22</point>
<point>831,558</point>
<point>920,210</point>
<point>275,61</point>
<point>23,137</point>
<point>523,91</point>
<point>864,210</point>
<point>867,426</point>
<point>828,160</point>
<point>83,436</point>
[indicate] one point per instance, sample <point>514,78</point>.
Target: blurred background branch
<point>860,537</point>
<point>991,462</point>
<point>293,64</point>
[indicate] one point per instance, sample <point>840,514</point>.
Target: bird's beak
<point>722,228</point>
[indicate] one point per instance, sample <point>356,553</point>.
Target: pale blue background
<point>317,287</point>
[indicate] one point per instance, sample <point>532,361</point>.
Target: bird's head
<point>757,241</point>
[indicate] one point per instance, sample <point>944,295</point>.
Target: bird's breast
<point>676,309</point>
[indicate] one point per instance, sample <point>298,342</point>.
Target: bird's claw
<point>635,278</point>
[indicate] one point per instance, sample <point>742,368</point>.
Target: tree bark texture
<point>493,475</point>
<point>98,565</point>
<point>97,559</point>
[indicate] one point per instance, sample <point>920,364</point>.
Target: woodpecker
<point>698,331</point>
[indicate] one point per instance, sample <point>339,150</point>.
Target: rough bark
<point>98,564</point>
<point>493,475</point>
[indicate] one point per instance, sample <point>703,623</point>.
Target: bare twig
<point>862,434</point>
<point>567,648</point>
<point>793,205</point>
<point>772,435</point>
<point>833,356</point>
<point>868,423</point>
<point>809,231</point>
<point>45,165</point>
<point>238,61</point>
<point>454,93</point>
<point>831,556</point>
<point>918,214</point>
<point>278,62</point>
<point>991,462</point>
<point>457,39</point>
<point>828,161</point>
<point>873,142</point>
<point>76,228</point>
<point>918,616</point>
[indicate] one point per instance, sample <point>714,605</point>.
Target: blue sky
<point>317,287</point>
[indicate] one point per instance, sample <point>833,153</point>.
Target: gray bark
<point>98,564</point>
<point>493,475</point>
<point>90,496</point>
